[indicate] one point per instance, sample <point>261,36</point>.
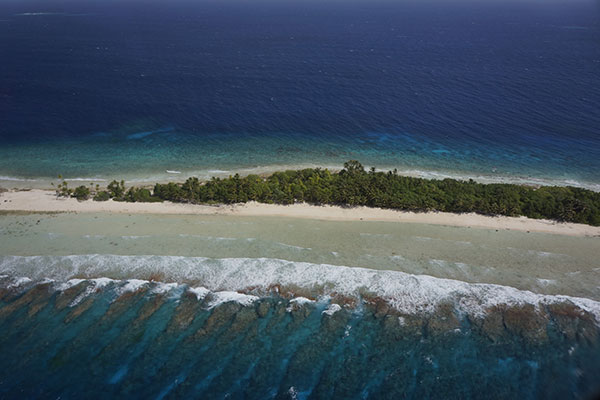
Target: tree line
<point>354,186</point>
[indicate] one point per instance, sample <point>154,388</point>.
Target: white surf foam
<point>219,298</point>
<point>20,281</point>
<point>16,179</point>
<point>228,277</point>
<point>199,292</point>
<point>95,285</point>
<point>162,288</point>
<point>69,284</point>
<point>495,178</point>
<point>332,309</point>
<point>298,302</point>
<point>85,179</point>
<point>102,282</point>
<point>301,300</point>
<point>132,285</point>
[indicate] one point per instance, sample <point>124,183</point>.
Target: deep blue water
<point>103,89</point>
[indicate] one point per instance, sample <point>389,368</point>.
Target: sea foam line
<point>410,294</point>
<point>181,175</point>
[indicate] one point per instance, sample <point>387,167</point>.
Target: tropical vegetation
<point>354,186</point>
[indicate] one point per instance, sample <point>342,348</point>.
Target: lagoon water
<point>543,263</point>
<point>486,89</point>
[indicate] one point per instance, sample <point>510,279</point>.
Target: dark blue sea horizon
<point>489,89</point>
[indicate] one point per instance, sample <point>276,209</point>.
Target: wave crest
<point>407,293</point>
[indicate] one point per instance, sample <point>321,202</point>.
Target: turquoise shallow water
<point>170,154</point>
<point>542,263</point>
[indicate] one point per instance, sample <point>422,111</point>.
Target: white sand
<point>45,201</point>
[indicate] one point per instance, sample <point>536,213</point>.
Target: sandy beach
<point>46,201</point>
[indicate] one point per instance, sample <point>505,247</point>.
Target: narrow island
<point>350,194</point>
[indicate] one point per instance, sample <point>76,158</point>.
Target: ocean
<point>491,90</point>
<point>149,306</point>
<point>131,306</point>
<point>135,339</point>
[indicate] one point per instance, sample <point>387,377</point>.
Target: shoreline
<point>177,176</point>
<point>36,200</point>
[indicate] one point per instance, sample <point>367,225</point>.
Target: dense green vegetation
<point>102,196</point>
<point>353,186</point>
<point>81,193</point>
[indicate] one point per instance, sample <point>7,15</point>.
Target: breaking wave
<point>407,293</point>
<point>177,327</point>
